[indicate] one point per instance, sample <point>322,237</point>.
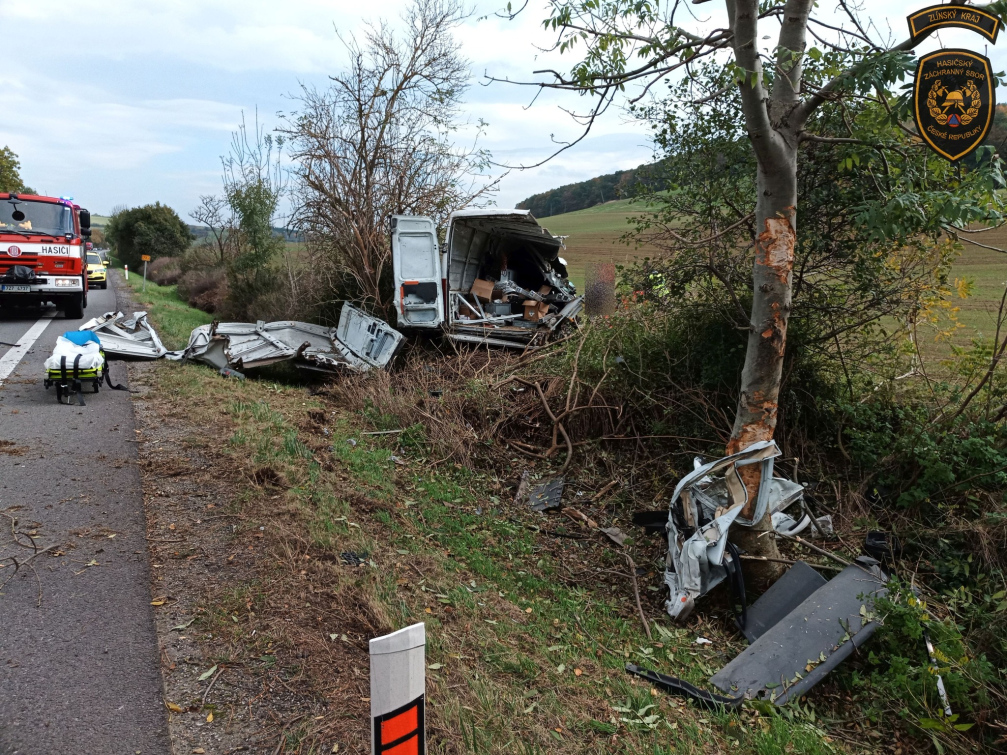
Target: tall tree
<point>628,48</point>
<point>10,173</point>
<point>253,186</point>
<point>154,229</point>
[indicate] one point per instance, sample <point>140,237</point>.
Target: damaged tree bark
<point>773,128</point>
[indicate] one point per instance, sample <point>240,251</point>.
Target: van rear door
<point>419,298</point>
<point>368,339</point>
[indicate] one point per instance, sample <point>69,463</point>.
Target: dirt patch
<point>10,448</point>
<point>243,602</point>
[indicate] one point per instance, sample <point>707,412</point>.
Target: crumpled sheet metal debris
<point>800,630</point>
<point>133,337</point>
<point>547,496</point>
<point>357,344</point>
<point>705,504</point>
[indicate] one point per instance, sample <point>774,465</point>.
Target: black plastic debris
<point>547,496</point>
<point>883,547</point>
<point>354,559</point>
<point>680,688</point>
<point>653,522</point>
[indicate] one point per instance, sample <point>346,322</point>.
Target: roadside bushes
<point>204,289</point>
<point>154,229</point>
<point>165,271</point>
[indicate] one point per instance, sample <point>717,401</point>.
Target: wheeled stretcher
<point>77,360</point>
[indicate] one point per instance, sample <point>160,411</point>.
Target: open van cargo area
<point>501,279</point>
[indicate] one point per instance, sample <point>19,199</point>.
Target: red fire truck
<point>42,257</point>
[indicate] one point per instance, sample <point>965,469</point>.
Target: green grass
<point>610,217</point>
<point>594,237</point>
<point>172,317</point>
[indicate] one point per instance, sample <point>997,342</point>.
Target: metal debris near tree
<point>803,626</point>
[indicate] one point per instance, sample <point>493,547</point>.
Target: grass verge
<point>173,318</point>
<point>530,619</point>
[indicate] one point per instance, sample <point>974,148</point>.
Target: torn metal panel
<point>705,504</point>
<point>783,596</point>
<point>824,629</point>
<point>358,343</point>
<point>133,337</point>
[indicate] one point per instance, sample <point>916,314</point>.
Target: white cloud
<point>134,101</point>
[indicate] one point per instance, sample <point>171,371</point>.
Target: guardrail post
<point>398,687</point>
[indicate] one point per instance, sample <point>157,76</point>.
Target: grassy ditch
<point>530,618</point>
<point>174,318</point>
<point>373,501</point>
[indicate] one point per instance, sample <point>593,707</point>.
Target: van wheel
<point>73,308</point>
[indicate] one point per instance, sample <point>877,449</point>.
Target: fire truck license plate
<point>16,289</point>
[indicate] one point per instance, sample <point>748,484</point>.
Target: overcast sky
<point>131,101</point>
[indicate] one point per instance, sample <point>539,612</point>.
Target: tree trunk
<point>776,215</point>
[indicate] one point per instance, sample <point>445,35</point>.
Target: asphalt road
<point>78,649</point>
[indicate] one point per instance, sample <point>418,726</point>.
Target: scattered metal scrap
<point>547,495</point>
<point>358,343</point>
<point>133,337</point>
<point>705,504</point>
<point>801,629</point>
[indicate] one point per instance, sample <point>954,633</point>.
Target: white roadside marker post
<point>126,268</point>
<point>398,686</point>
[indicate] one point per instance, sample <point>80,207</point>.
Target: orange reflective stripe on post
<point>411,747</point>
<point>399,726</point>
<point>401,732</point>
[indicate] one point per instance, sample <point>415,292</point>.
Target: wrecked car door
<point>368,338</point>
<point>419,297</point>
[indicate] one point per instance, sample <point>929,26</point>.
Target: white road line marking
<point>12,358</point>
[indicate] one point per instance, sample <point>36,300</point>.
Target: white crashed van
<point>499,278</point>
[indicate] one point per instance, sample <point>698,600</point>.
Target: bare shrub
<point>381,140</point>
<point>204,289</point>
<point>165,271</point>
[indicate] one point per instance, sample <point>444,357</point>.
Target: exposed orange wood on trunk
<point>758,407</point>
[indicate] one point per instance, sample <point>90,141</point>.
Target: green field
<point>594,236</point>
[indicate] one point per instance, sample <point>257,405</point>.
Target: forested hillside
<point>580,196</point>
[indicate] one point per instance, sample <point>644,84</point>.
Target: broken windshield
<point>27,216</point>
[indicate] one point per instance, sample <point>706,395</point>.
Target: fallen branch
<point>580,626</point>
<point>212,682</point>
<point>636,593</point>
<point>27,562</point>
